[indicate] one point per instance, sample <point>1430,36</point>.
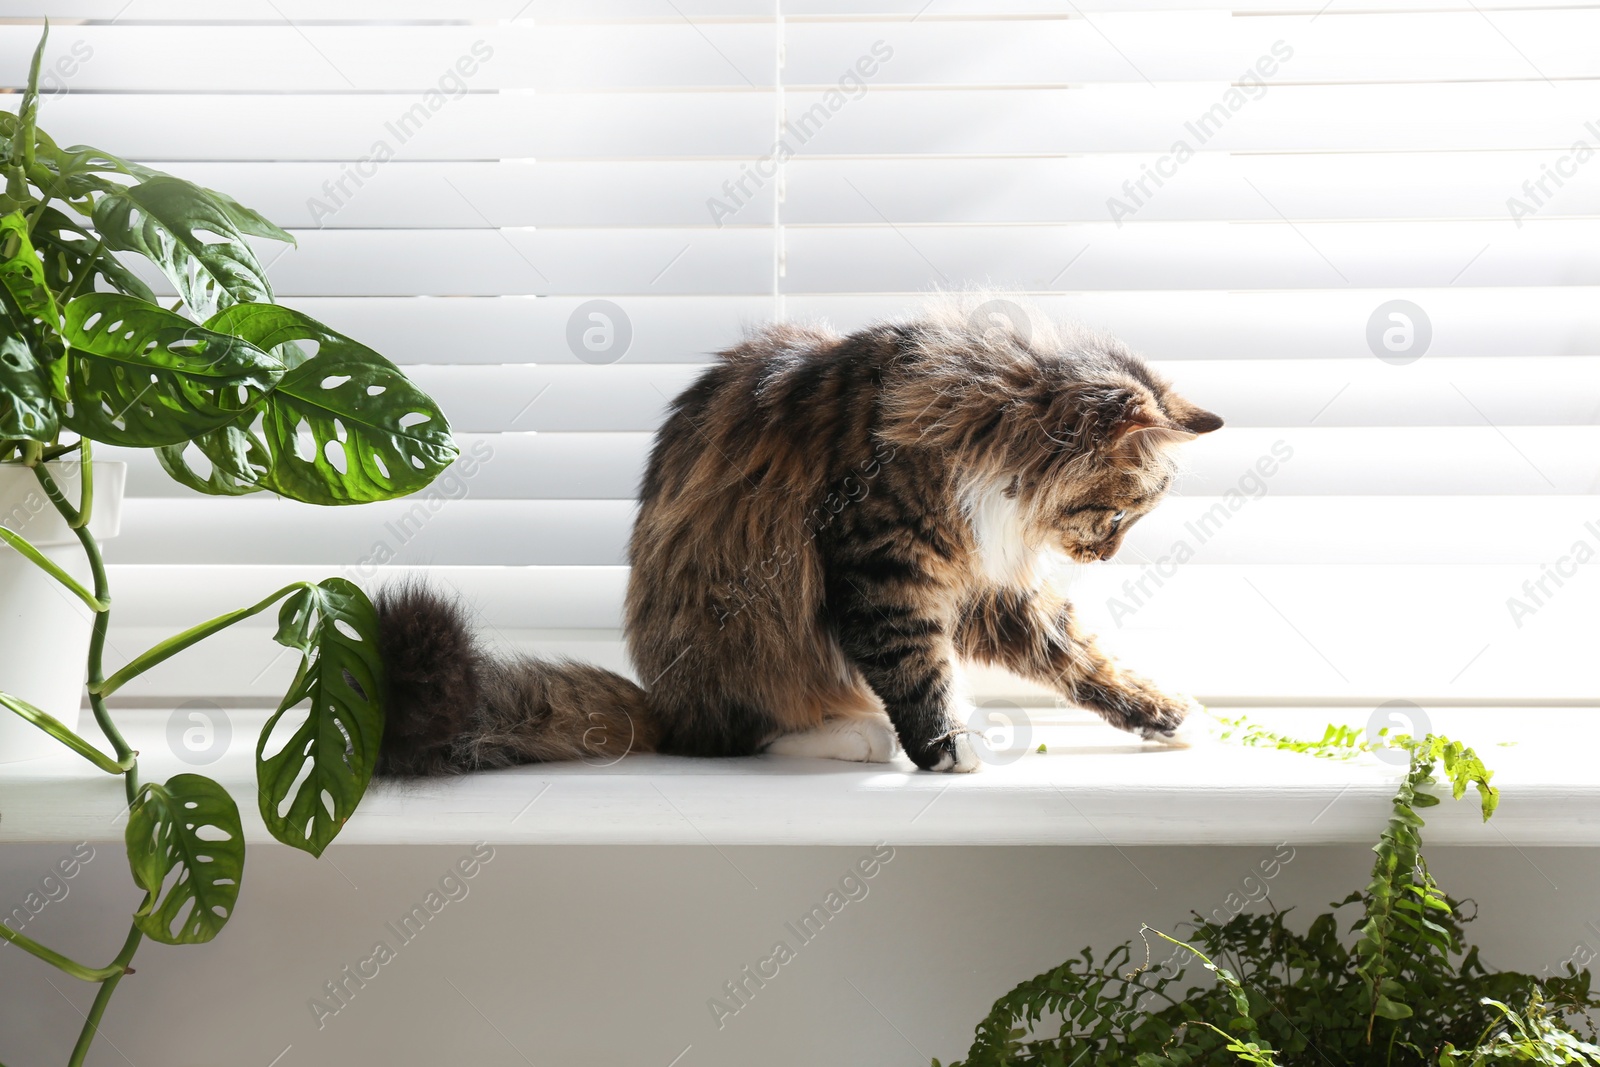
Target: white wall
<point>592,955</point>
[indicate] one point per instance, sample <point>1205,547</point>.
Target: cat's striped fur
<point>827,525</point>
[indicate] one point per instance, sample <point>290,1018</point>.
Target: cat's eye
<point>1116,521</point>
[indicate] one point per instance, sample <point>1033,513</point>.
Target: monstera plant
<point>236,395</point>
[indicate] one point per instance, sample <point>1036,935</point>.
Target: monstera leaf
<point>193,237</point>
<point>76,173</point>
<point>65,249</point>
<point>29,318</point>
<point>27,411</point>
<point>341,677</point>
<point>342,427</point>
<point>236,458</point>
<point>143,376</point>
<point>185,838</point>
<point>22,274</point>
<point>66,174</point>
<point>246,219</point>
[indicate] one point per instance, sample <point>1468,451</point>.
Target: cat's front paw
<point>952,753</point>
<point>1181,726</point>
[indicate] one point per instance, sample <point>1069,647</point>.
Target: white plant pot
<point>44,629</point>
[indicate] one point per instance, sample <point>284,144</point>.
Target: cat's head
<point>1084,501</point>
<point>1071,426</point>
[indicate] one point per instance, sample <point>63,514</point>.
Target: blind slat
<point>884,121</point>
<point>1197,46</point>
<point>610,193</point>
<point>667,10</point>
<point>1155,255</point>
<point>1467,322</point>
<point>1438,460</point>
<point>1276,393</point>
<point>1239,529</point>
<point>1369,632</point>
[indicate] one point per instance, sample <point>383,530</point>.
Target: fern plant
<point>236,395</point>
<point>1406,990</point>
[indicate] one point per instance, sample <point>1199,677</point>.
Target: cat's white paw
<point>1195,729</point>
<point>859,740</point>
<point>959,757</point>
<point>880,738</point>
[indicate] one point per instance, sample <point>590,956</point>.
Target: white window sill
<point>1092,787</point>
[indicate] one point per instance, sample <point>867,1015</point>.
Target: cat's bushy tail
<point>452,706</point>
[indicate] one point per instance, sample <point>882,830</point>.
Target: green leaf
<point>28,113</point>
<point>65,249</point>
<point>190,235</point>
<point>63,733</point>
<point>27,411</point>
<point>343,427</point>
<point>186,851</point>
<point>74,174</point>
<point>341,677</point>
<point>236,458</point>
<point>143,376</point>
<point>1388,1009</point>
<point>21,544</point>
<point>248,220</point>
<point>22,274</point>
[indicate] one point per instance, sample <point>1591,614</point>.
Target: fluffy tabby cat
<point>829,524</point>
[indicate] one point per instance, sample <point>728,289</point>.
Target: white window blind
<point>1249,194</point>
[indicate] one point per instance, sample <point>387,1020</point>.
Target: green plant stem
<point>85,483</point>
<point>50,567</point>
<point>177,643</point>
<point>102,716</point>
<point>97,638</point>
<point>57,960</point>
<point>61,732</point>
<point>87,272</point>
<point>36,214</point>
<point>57,497</point>
<point>91,1024</point>
<point>57,451</point>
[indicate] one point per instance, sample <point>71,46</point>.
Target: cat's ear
<point>1139,414</point>
<point>1183,419</point>
<point>1195,420</point>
